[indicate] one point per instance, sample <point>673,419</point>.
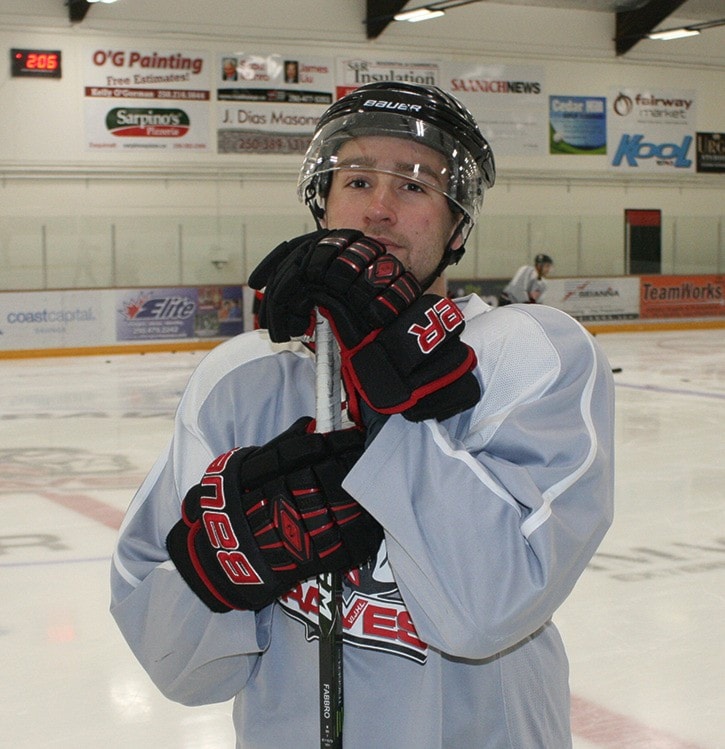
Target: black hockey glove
<point>401,353</point>
<point>264,518</point>
<point>349,274</point>
<point>286,309</point>
<point>417,365</point>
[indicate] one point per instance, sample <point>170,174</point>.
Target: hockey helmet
<point>425,114</point>
<point>542,259</point>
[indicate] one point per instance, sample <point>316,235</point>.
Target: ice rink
<point>644,627</point>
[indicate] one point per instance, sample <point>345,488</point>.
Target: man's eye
<point>358,182</point>
<point>413,187</point>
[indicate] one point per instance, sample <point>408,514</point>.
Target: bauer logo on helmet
<point>401,106</point>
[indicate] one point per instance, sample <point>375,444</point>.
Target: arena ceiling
<point>634,18</point>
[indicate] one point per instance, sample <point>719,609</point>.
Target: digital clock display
<point>35,63</point>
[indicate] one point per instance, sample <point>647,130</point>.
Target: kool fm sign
<point>682,296</point>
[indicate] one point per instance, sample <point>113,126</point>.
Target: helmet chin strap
<point>450,256</point>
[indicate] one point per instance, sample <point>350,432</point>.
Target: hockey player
<point>528,283</point>
<point>462,508</point>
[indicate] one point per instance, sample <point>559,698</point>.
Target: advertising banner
<point>81,318</point>
<point>156,314</point>
<point>577,125</point>
<point>682,296</point>
<point>508,101</point>
<point>589,299</point>
<point>269,103</point>
<point>357,71</point>
<point>185,312</point>
<point>147,99</point>
<point>53,319</point>
<point>489,289</point>
<point>711,153</point>
<point>652,130</point>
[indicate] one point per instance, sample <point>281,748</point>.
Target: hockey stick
<point>329,417</point>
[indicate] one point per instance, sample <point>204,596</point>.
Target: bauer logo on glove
<point>417,366</point>
<point>262,519</point>
<point>443,318</point>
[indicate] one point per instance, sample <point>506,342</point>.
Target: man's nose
<point>381,205</point>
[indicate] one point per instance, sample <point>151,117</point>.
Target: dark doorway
<point>643,241</point>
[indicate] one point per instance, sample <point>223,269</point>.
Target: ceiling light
<point>419,14</point>
<point>101,1</point>
<point>672,34</point>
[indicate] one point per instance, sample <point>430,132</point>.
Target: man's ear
<point>456,240</point>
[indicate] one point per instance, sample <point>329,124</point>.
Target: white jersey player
<point>462,509</point>
<point>528,283</point>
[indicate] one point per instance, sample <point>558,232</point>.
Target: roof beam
<point>633,25</point>
<point>77,10</point>
<point>379,14</point>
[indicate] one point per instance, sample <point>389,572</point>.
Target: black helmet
<point>425,114</point>
<point>541,259</point>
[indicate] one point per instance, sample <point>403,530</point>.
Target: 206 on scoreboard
<point>35,63</point>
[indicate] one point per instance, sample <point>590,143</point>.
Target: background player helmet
<point>541,259</point>
<point>425,114</point>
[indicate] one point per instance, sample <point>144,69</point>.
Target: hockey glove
<point>264,518</point>
<point>286,308</point>
<point>401,352</point>
<point>362,287</point>
<point>417,365</point>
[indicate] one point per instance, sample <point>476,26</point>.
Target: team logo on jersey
<point>374,616</point>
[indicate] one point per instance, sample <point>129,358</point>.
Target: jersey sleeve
<point>491,516</point>
<point>240,395</point>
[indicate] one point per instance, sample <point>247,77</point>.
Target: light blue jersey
<point>490,518</point>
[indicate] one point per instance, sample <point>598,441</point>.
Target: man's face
<point>406,211</point>
<point>544,269</point>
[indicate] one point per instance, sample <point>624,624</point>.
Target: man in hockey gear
<point>489,516</point>
<point>446,153</point>
<point>528,283</point>
<point>424,148</point>
<point>264,518</point>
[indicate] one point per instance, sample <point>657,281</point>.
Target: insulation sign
<point>150,100</point>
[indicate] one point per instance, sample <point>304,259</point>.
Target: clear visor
<point>434,160</point>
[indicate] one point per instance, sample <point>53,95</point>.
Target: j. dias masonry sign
<point>146,99</point>
<point>268,103</point>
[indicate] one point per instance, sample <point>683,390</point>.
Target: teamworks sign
<point>651,130</point>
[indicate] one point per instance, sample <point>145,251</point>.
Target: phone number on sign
<point>236,142</point>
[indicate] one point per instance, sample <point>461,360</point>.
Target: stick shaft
<point>329,416</point>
